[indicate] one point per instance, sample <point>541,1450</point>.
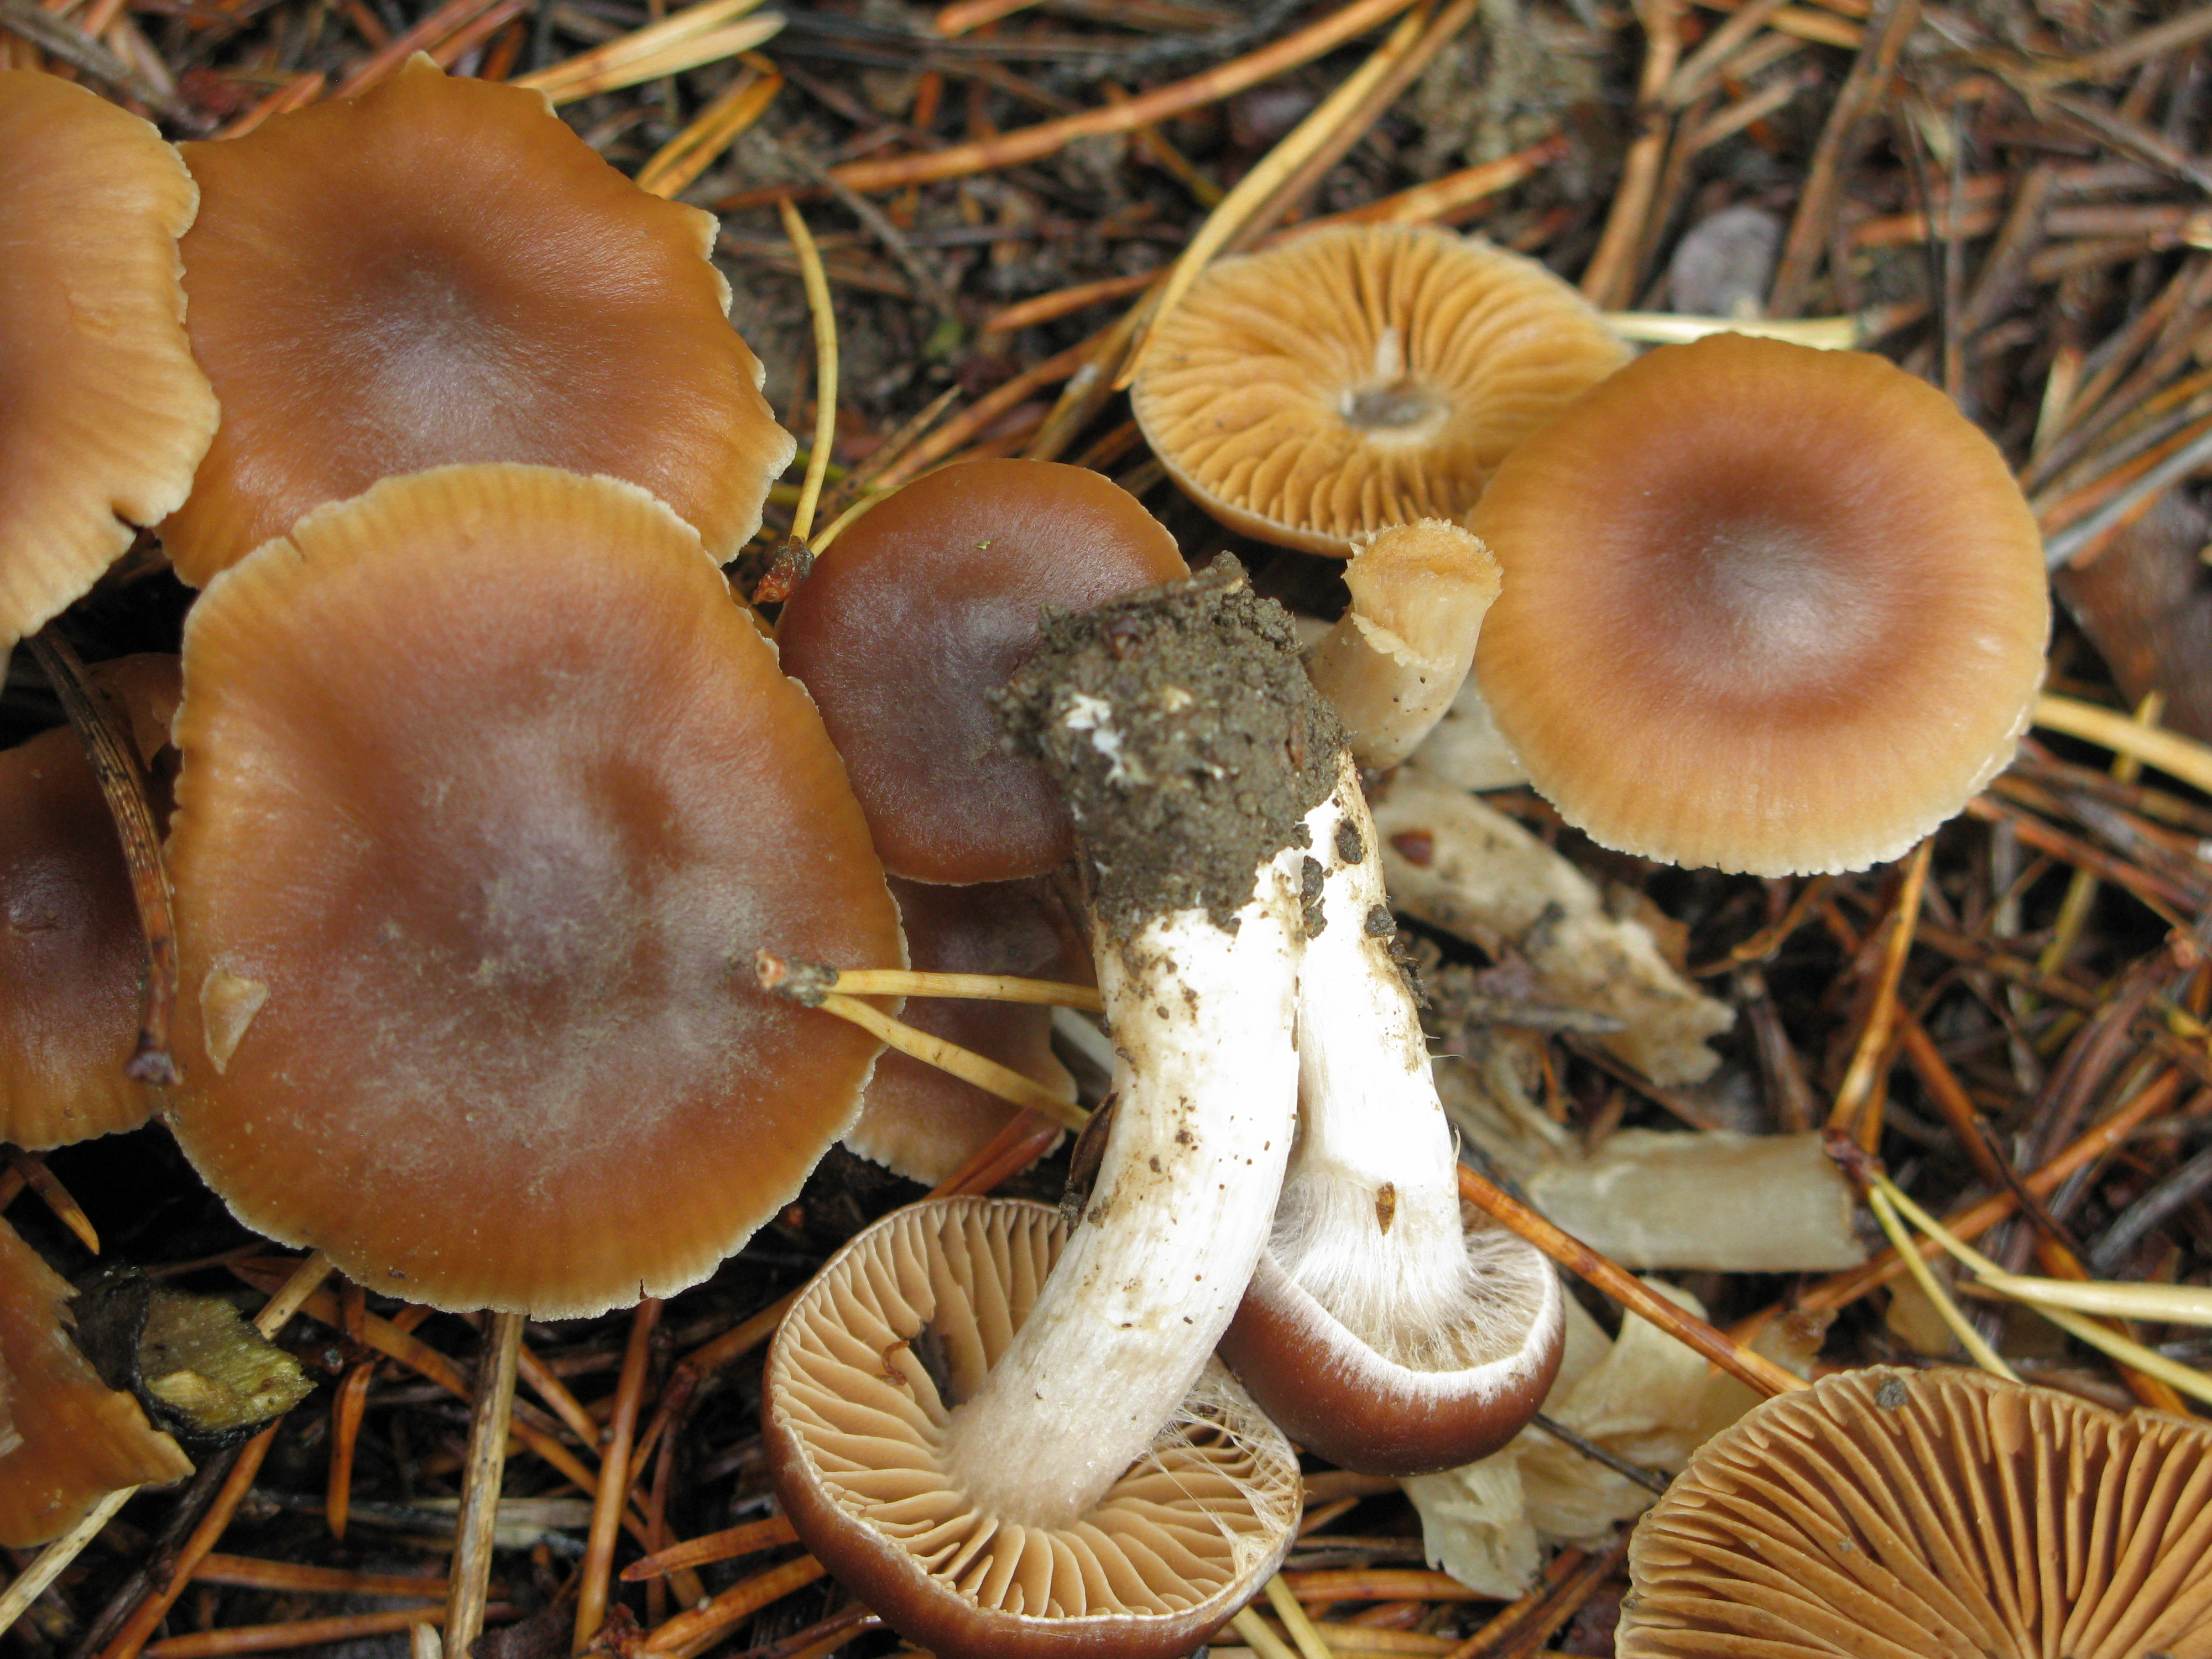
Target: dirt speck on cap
<point>1180,726</point>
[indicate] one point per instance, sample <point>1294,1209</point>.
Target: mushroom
<point>1379,1330</point>
<point>1360,376</point>
<point>1765,608</point>
<point>1195,761</point>
<point>926,604</point>
<point>77,1439</point>
<point>1395,660</point>
<point>875,1416</point>
<point>924,1122</point>
<point>441,272</point>
<point>490,793</point>
<point>107,415</point>
<point>71,951</point>
<point>1944,1513</point>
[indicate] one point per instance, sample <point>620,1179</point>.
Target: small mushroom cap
<point>926,604</point>
<point>1359,377</point>
<point>81,1439</point>
<point>901,1325</point>
<point>1894,1514</point>
<point>72,955</point>
<point>107,414</point>
<point>489,795</point>
<point>922,1121</point>
<point>1430,1400</point>
<point>440,271</point>
<point>1765,608</point>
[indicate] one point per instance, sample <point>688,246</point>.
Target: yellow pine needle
<point>697,35</point>
<point>1932,1288</point>
<point>2180,1304</point>
<point>965,1063</point>
<point>987,988</point>
<point>2132,1354</point>
<point>1664,328</point>
<point>838,526</point>
<point>1272,169</point>
<point>2081,886</point>
<point>1261,1636</point>
<point>713,130</point>
<point>826,364</point>
<point>1309,1640</point>
<point>2176,755</point>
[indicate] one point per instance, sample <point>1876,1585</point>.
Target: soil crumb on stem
<point>1180,726</point>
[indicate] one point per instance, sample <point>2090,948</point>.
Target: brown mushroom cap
<point>926,604</point>
<point>922,1121</point>
<point>1951,1514</point>
<point>867,1369</point>
<point>81,1439</point>
<point>1359,377</point>
<point>1765,608</point>
<point>441,272</point>
<point>107,414</point>
<point>489,795</point>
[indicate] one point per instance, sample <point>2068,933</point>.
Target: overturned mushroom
<point>459,943</point>
<point>1359,377</point>
<point>440,271</point>
<point>876,1412</point>
<point>1946,1513</point>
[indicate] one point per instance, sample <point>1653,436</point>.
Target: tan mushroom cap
<point>81,1439</point>
<point>440,271</point>
<point>1765,608</point>
<point>903,1324</point>
<point>924,1122</point>
<point>489,791</point>
<point>107,414</point>
<point>1359,377</point>
<point>1894,1514</point>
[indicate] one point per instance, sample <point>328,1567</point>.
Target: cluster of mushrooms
<point>488,792</point>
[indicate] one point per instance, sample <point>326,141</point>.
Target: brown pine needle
<point>692,1632</point>
<point>249,1573</point>
<point>774,1533</point>
<point>1754,1369</point>
<point>300,1636</point>
<point>826,367</point>
<point>1857,1110</point>
<point>34,1174</point>
<point>656,50</point>
<point>714,129</point>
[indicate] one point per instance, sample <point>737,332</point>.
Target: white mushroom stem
<point>1369,1222</point>
<point>1205,1080</point>
<point>1392,666</point>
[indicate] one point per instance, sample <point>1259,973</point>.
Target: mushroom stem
<point>1197,767</point>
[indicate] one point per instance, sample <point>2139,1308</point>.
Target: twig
<point>1649,1480</point>
<point>487,1464</point>
<point>1609,281</point>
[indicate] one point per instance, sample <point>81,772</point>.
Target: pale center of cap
<point>1391,407</point>
<point>1771,607</point>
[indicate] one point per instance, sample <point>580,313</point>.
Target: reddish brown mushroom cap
<point>1360,377</point>
<point>924,1122</point>
<point>489,795</point>
<point>864,1380</point>
<point>81,1439</point>
<point>1945,1514</point>
<point>107,415</point>
<point>441,272</point>
<point>1765,608</point>
<point>926,604</point>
